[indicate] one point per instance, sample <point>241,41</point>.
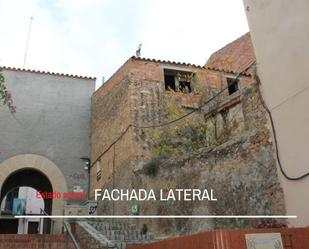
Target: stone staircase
<point>121,234</point>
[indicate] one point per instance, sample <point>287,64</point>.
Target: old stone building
<point>223,142</point>
<point>282,54</point>
<point>154,124</point>
<point>133,95</point>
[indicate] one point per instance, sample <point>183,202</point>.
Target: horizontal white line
<point>158,216</point>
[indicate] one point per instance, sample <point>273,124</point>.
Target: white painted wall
<point>33,206</point>
<point>280,35</point>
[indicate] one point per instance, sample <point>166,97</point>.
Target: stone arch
<point>44,166</point>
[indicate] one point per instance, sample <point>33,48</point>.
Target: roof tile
<point>164,61</point>
<point>47,72</point>
<point>234,57</point>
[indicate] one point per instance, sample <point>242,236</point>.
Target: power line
<point>156,126</point>
<point>172,121</point>
<point>275,136</point>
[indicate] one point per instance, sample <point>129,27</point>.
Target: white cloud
<point>95,37</point>
<point>192,30</point>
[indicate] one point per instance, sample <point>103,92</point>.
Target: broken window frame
<point>180,80</point>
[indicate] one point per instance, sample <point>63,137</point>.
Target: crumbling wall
<point>133,95</point>
<point>111,114</point>
<point>241,171</point>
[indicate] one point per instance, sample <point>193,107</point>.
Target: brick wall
<point>292,238</point>
<point>131,96</point>
<point>136,94</point>
<point>241,171</point>
<point>29,241</point>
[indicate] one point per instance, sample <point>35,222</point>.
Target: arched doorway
<point>32,178</point>
<point>23,200</point>
<point>39,173</point>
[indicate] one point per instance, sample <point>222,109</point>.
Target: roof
<point>236,57</point>
<point>167,62</point>
<point>47,72</point>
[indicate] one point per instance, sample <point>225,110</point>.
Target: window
<point>170,83</point>
<point>232,85</point>
<point>178,80</point>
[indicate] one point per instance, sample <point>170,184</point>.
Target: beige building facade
<point>280,34</point>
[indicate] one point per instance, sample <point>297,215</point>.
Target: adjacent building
<point>280,34</point>
<point>153,125</point>
<point>46,143</point>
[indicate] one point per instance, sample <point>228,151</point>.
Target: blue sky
<point>95,37</point>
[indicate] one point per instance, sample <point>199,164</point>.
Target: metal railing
<point>45,228</point>
<point>67,228</point>
<point>70,234</point>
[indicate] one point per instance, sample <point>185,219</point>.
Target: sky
<point>95,37</point>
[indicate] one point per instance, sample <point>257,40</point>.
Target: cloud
<point>192,30</point>
<point>95,37</point>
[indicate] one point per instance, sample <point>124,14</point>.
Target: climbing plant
<point>189,134</point>
<point>5,95</point>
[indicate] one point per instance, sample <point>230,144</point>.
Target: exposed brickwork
<point>31,241</point>
<point>131,96</point>
<point>235,57</point>
<point>242,165</point>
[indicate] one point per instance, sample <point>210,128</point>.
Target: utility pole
<point>27,44</point>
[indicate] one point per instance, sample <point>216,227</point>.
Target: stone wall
<point>241,170</point>
<point>133,95</point>
<point>88,237</point>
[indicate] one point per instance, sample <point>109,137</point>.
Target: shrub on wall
<point>151,168</point>
<point>199,130</point>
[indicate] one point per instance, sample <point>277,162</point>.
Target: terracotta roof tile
<point>234,57</point>
<point>168,62</point>
<point>47,72</point>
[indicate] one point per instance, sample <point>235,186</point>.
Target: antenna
<point>28,38</point>
<point>138,51</point>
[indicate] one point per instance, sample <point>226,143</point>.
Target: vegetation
<point>190,134</point>
<point>144,229</point>
<point>5,95</point>
<point>151,168</point>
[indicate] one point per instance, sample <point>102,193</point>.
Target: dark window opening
<point>33,227</point>
<point>225,117</point>
<point>170,82</point>
<point>178,80</point>
<point>232,85</point>
<point>8,206</point>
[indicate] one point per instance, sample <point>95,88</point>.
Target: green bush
<point>151,168</point>
<point>144,229</point>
